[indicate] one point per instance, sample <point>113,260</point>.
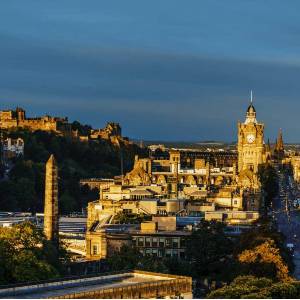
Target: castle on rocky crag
<point>17,119</point>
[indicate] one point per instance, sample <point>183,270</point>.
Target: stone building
<point>51,216</point>
<point>110,131</point>
<point>164,236</point>
<point>97,183</point>
<point>150,238</point>
<point>17,119</point>
<point>295,163</point>
<point>179,167</point>
<point>251,149</point>
<point>214,185</point>
<point>13,147</point>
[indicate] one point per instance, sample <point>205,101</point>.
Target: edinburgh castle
<point>17,119</point>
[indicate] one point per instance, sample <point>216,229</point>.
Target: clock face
<point>250,138</point>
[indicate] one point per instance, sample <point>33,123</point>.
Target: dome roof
<point>251,109</point>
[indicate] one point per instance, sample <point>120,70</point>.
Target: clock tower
<point>250,143</point>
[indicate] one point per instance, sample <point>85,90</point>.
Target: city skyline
<point>181,74</point>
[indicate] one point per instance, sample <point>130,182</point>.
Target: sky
<point>165,70</point>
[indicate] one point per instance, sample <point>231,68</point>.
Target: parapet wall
<point>127,285</point>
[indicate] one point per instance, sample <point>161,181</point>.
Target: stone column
<point>51,218</point>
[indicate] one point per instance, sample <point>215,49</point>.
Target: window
<point>162,242</point>
<point>154,252</point>
<point>235,202</point>
<point>168,253</point>
<point>182,242</point>
<point>134,241</point>
<point>168,242</point>
<point>95,249</point>
<point>148,252</point>
<point>148,242</point>
<point>160,252</point>
<point>175,243</point>
<point>181,254</point>
<point>175,253</point>
<point>154,242</point>
<point>141,242</point>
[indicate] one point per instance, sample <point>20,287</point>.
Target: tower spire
<point>280,145</point>
<point>251,113</point>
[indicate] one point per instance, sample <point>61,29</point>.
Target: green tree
<point>67,203</point>
<point>130,258</point>
<point>25,255</point>
<point>129,218</point>
<point>251,287</point>
<point>76,160</point>
<point>8,200</point>
<point>125,259</point>
<point>209,249</point>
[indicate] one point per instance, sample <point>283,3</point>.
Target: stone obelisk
<point>51,201</point>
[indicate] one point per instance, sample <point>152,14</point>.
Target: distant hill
<point>24,191</point>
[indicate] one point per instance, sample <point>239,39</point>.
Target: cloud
<point>163,76</point>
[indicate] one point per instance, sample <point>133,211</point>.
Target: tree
<point>265,259</point>
<point>26,255</point>
<point>87,195</point>
<point>76,160</point>
<point>251,287</point>
<point>125,259</point>
<point>208,250</point>
<point>8,200</point>
<point>258,235</point>
<point>129,218</point>
<point>129,258</point>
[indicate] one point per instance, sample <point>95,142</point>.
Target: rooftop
<point>82,287</point>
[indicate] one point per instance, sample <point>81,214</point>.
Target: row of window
<point>155,242</point>
<point>160,242</point>
<point>248,153</point>
<point>163,252</point>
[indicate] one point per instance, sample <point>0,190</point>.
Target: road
<point>287,216</point>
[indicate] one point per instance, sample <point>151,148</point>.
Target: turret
<point>20,112</point>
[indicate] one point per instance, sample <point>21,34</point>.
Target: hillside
<point>24,190</point>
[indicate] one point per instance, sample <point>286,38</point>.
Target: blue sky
<point>171,70</point>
